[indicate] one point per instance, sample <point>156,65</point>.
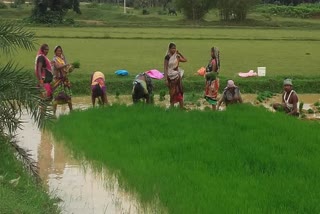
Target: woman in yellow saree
<point>61,85</point>
<point>173,74</point>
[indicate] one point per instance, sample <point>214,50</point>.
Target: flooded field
<point>79,187</point>
<point>82,188</point>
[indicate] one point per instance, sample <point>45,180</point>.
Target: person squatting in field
<point>98,88</point>
<point>142,88</point>
<point>289,100</point>
<point>173,74</point>
<point>231,94</point>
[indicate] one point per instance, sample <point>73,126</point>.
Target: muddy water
<point>82,189</point>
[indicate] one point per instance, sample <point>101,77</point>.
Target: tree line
<point>53,11</point>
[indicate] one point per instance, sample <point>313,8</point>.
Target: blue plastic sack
<point>122,73</point>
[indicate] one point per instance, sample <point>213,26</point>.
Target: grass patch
<point>26,196</point>
<point>251,161</point>
<point>139,55</point>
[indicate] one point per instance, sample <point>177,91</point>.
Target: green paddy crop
<point>243,160</point>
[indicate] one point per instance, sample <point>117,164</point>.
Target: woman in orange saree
<point>212,80</point>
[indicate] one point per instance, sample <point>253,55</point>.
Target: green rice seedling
<point>76,64</point>
<point>244,159</point>
<point>262,96</point>
<point>303,115</point>
<point>117,94</point>
<point>191,97</point>
<point>162,95</point>
<point>317,104</point>
<point>151,98</point>
<point>301,107</point>
<point>310,111</point>
<point>207,108</point>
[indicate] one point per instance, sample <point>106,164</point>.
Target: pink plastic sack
<point>155,74</point>
<point>250,73</point>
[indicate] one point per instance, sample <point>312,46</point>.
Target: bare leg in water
<point>70,105</point>
<point>181,104</point>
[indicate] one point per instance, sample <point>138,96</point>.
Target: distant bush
<point>3,5</point>
<point>93,5</point>
<point>50,17</point>
<point>162,12</point>
<point>69,21</point>
<point>300,11</point>
<point>145,12</point>
<point>14,5</point>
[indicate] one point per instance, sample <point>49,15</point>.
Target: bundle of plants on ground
<point>262,96</point>
<point>317,105</point>
<point>245,159</point>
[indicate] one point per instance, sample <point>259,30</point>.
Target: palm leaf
<point>18,94</point>
<point>14,36</point>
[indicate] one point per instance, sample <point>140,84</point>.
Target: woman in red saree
<point>173,74</point>
<point>43,72</point>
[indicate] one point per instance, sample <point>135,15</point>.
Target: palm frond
<point>18,92</point>
<point>14,36</point>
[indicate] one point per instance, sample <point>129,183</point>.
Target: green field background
<point>289,52</point>
<point>292,52</point>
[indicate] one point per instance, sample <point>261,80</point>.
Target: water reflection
<point>80,188</point>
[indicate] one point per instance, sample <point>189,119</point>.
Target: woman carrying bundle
<point>61,86</point>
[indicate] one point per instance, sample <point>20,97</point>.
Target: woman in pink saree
<point>43,72</point>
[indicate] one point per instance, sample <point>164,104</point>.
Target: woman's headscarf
<point>173,63</point>
<point>171,45</point>
<point>62,54</point>
<point>41,53</point>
